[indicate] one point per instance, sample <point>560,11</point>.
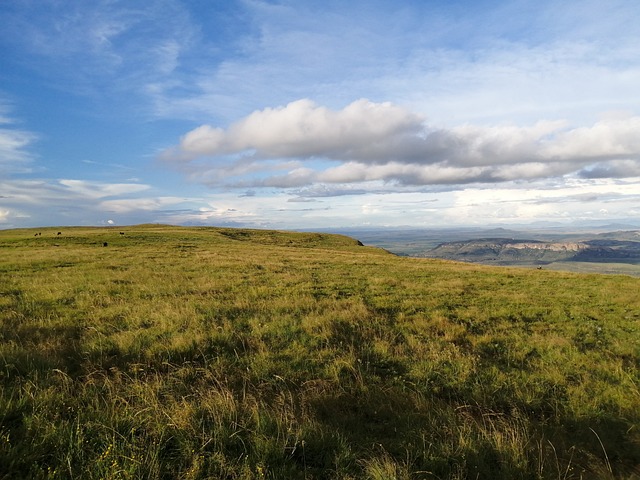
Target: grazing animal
<point>105,244</point>
<point>59,233</point>
<point>121,233</point>
<point>539,268</point>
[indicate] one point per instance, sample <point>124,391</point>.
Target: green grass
<point>193,353</point>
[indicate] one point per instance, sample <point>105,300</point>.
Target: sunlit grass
<point>218,353</point>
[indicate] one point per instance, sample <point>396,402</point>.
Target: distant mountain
<point>621,247</point>
<point>585,249</point>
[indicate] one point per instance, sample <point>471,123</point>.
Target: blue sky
<point>319,114</point>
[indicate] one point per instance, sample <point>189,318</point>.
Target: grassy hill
<point>157,352</point>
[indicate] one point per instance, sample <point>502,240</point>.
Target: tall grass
<point>216,353</point>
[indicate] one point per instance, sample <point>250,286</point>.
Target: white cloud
<point>13,147</point>
<point>537,201</point>
<point>102,47</point>
<point>59,202</point>
<point>384,142</point>
<point>509,203</point>
<point>608,139</point>
<point>148,204</point>
<point>522,61</point>
<point>303,129</point>
<point>42,193</point>
<point>96,190</point>
<point>522,82</point>
<point>15,143</point>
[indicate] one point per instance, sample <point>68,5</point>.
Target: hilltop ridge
<point>133,234</point>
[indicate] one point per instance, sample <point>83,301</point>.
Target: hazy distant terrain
<point>580,251</point>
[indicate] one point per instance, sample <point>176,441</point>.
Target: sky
<point>305,114</point>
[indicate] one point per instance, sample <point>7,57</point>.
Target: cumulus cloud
<point>606,140</point>
<point>369,142</point>
<point>304,129</point>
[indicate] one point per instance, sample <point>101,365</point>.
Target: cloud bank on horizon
<point>319,114</point>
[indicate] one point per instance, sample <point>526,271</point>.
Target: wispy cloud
<point>76,201</point>
<point>99,48</point>
<point>13,148</point>
<point>128,205</point>
<point>519,60</point>
<point>15,143</point>
<point>96,190</point>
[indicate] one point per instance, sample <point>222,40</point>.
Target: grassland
<point>193,353</point>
